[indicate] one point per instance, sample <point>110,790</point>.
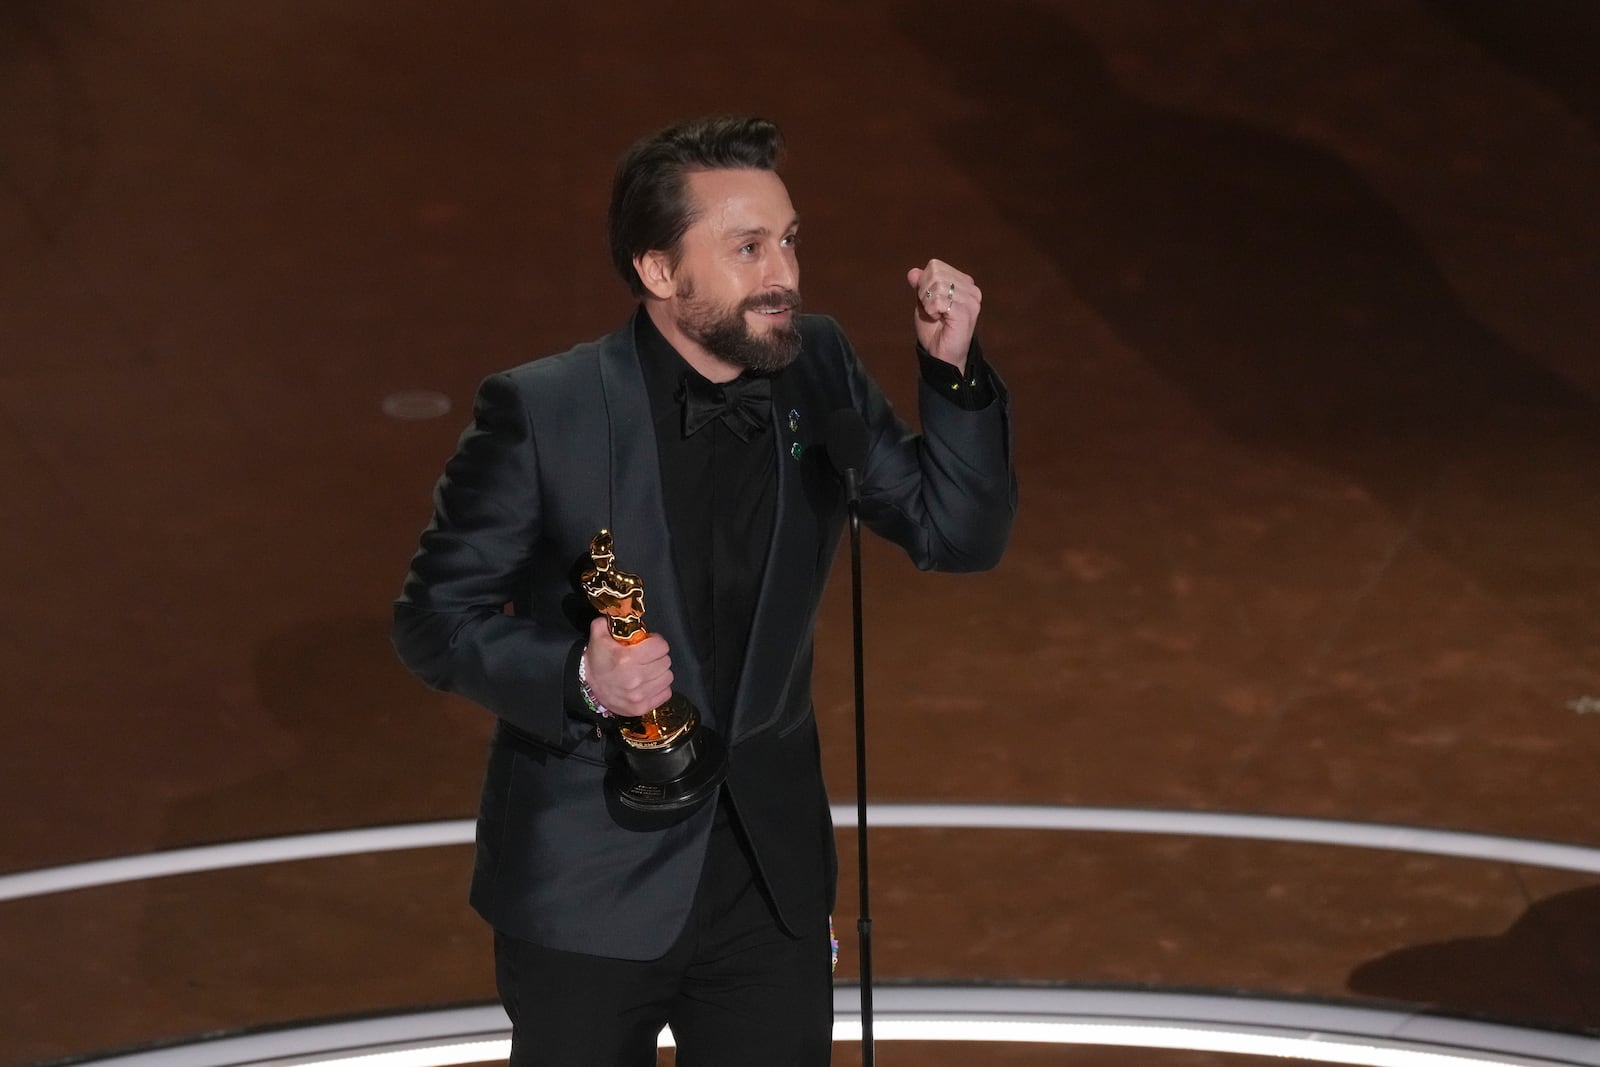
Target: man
<point>694,435</point>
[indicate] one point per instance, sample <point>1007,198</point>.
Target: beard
<point>723,331</point>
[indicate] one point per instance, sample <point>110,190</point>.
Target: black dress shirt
<point>720,494</point>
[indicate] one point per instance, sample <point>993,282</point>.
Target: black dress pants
<point>736,989</point>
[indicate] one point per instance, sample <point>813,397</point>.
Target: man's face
<point>738,278</point>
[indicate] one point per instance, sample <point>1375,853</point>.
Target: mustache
<point>787,300</point>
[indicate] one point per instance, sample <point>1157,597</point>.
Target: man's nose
<point>783,270</point>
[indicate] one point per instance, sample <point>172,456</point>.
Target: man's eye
<point>792,241</point>
<point>747,250</point>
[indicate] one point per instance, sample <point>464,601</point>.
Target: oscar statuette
<point>670,760</point>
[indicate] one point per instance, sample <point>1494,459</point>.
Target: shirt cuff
<point>971,392</point>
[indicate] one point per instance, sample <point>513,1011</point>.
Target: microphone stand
<point>864,923</point>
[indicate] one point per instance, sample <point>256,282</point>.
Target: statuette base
<point>674,777</point>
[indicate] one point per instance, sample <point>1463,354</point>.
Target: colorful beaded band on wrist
<point>583,687</point>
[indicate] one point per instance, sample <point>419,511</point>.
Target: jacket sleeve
<point>947,495</point>
<point>453,625</point>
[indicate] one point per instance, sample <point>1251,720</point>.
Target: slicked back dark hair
<point>650,205</point>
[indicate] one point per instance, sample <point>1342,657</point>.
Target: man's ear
<point>655,271</point>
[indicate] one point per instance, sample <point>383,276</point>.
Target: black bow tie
<point>743,405</point>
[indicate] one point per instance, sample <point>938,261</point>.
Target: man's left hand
<point>948,303</point>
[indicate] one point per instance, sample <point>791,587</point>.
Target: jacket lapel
<point>638,511</point>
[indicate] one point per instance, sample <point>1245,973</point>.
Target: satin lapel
<point>638,512</point>
<point>785,606</point>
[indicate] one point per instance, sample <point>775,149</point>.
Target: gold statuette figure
<point>670,760</point>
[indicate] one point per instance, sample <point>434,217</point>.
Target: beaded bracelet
<point>583,687</point>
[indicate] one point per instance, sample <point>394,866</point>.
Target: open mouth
<point>775,306</point>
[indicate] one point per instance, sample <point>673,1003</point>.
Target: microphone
<point>846,442</point>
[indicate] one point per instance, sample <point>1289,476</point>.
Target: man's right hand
<point>628,680</point>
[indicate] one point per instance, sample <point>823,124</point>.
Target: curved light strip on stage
<point>930,816</point>
<point>1253,1026</point>
<point>1261,1026</point>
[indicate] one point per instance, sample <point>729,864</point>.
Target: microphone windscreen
<point>846,441</point>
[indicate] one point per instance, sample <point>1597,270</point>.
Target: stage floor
<point>1297,305</point>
